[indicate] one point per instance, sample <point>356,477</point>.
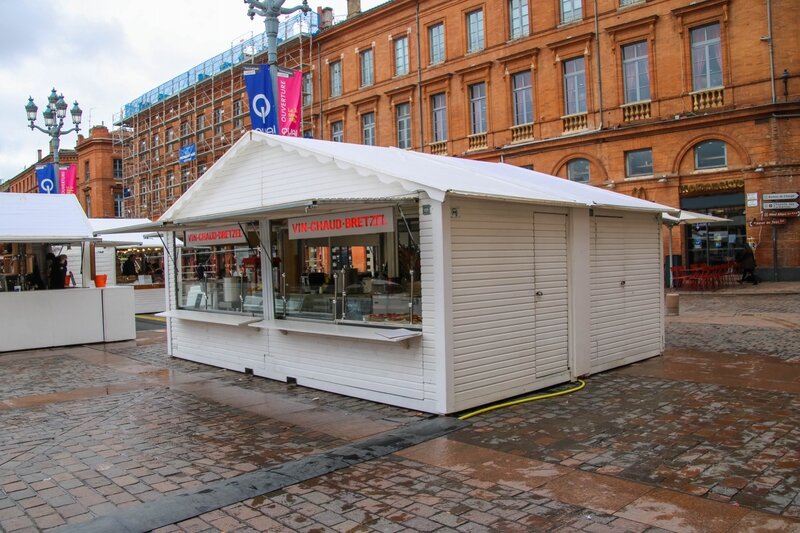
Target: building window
<point>439,117</point>
<point>639,163</point>
<point>368,128</point>
<point>403,112</point>
<point>571,11</point>
<point>574,86</point>
<point>219,114</point>
<point>201,124</point>
<point>636,72</point>
<point>367,68</point>
<point>184,129</point>
<point>117,169</point>
<point>170,185</point>
<point>118,204</point>
<point>337,131</point>
<point>477,108</point>
<point>401,56</point>
<point>88,200</point>
<point>187,173</point>
<point>623,3</point>
<point>436,43</point>
<point>522,98</point>
<point>142,146</point>
<point>518,13</point>
<point>578,170</point>
<point>86,171</point>
<point>170,140</point>
<point>475,31</point>
<point>706,57</point>
<point>336,78</point>
<point>156,140</point>
<point>157,190</point>
<point>710,154</point>
<point>308,88</point>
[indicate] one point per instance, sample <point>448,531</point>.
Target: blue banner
<point>263,112</point>
<point>188,153</point>
<point>46,179</point>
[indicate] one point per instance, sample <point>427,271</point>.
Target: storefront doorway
<point>719,242</point>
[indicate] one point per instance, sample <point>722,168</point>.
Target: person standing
<point>747,261</point>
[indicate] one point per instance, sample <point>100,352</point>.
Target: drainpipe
<point>599,69</point>
<point>419,84</point>
<point>321,134</point>
<point>771,51</point>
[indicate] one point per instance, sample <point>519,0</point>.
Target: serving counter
<point>41,319</point>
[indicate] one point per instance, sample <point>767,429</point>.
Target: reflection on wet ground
<point>704,438</point>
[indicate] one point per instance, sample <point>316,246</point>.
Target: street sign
<point>790,214</point>
<point>769,222</point>
<point>782,196</point>
<point>780,205</point>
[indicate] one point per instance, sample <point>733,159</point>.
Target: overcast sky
<point>104,54</point>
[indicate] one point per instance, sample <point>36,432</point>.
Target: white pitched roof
<point>53,218</point>
<point>395,169</point>
<point>124,239</point>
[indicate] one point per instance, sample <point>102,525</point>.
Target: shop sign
<point>698,188</point>
<point>782,196</point>
<point>768,222</point>
<point>379,220</point>
<point>784,214</point>
<point>780,205</point>
<point>212,236</point>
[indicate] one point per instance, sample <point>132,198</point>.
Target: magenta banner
<point>290,102</point>
<point>67,179</point>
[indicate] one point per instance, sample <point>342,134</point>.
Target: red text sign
<point>379,220</point>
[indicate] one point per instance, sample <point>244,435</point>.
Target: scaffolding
<point>205,107</point>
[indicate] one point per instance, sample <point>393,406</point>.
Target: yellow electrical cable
<point>581,385</point>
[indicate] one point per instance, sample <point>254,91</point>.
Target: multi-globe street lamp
<point>54,115</point>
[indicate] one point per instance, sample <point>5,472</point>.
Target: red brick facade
<point>749,110</point>
<point>97,185</point>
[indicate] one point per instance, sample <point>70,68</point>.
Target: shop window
<point>578,170</point>
<point>219,270</point>
<point>403,112</point>
<point>367,68</point>
<point>710,154</point>
<point>639,163</point>
<point>574,86</point>
<point>706,57</point>
<point>518,15</point>
<point>475,40</point>
<point>141,265</point>
<point>360,267</point>
<point>571,11</point>
<point>401,56</point>
<point>436,43</point>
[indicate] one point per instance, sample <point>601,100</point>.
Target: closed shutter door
<point>625,285</point>
<point>550,321</point>
<point>643,286</point>
<point>607,291</point>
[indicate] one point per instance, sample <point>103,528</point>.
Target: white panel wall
<point>626,289</point>
<point>150,300</point>
<point>495,300</point>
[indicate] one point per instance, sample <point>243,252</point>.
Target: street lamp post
<point>271,10</point>
<point>54,115</point>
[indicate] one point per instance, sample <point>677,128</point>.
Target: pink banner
<point>67,179</point>
<point>290,103</point>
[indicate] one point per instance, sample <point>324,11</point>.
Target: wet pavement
<point>704,438</point>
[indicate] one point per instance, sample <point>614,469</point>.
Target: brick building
<point>99,180</point>
<point>691,104</point>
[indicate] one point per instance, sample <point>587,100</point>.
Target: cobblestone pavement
<point>704,438</point>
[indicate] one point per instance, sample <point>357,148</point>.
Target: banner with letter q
<point>46,179</point>
<point>263,115</point>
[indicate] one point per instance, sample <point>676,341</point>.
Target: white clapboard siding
<point>505,337</point>
<point>430,333</point>
<point>625,289</point>
<point>150,300</point>
<point>232,347</point>
<point>241,182</point>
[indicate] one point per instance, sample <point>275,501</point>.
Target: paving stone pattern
<point>726,444</point>
<point>783,343</point>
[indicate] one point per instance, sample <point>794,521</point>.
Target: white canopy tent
<point>43,218</point>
